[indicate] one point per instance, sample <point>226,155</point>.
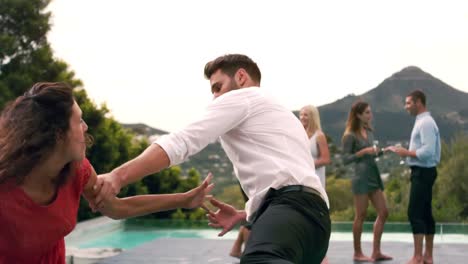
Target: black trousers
<point>420,202</point>
<point>289,227</point>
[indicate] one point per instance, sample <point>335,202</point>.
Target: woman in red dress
<point>44,171</point>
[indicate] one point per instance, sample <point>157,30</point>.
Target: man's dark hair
<point>418,94</point>
<point>230,63</point>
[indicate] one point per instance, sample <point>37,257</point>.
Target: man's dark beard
<point>233,85</point>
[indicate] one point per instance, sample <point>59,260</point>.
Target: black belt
<point>298,188</point>
<point>273,193</point>
<point>422,168</point>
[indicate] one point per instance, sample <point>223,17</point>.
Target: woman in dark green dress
<point>359,148</point>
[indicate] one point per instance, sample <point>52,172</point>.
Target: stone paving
<point>213,251</point>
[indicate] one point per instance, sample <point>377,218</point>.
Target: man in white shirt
<point>423,156</point>
<point>266,143</point>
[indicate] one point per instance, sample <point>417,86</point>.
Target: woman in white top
<point>310,119</point>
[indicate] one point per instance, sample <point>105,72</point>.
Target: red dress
<point>33,233</point>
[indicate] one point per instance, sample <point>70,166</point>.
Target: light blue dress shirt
<point>425,140</point>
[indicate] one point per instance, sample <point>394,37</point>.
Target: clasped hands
<point>108,185</point>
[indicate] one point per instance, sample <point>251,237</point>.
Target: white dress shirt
<point>265,142</point>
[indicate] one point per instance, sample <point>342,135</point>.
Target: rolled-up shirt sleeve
<point>428,133</point>
<point>223,114</point>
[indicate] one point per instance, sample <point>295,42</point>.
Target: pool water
<point>131,238</point>
<point>127,239</point>
<point>105,233</point>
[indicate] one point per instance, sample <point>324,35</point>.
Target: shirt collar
<point>423,114</point>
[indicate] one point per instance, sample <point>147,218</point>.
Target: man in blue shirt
<point>422,156</point>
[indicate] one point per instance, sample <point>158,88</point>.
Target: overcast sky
<point>145,58</point>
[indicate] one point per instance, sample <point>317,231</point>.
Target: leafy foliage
<point>26,58</point>
<point>451,201</point>
<point>25,54</point>
<point>171,180</point>
<point>232,195</point>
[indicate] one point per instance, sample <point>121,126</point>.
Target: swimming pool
<point>128,238</point>
<point>103,232</point>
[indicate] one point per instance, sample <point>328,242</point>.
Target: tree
<point>450,199</point>
<point>26,58</point>
<point>232,195</point>
<point>340,197</point>
<point>171,180</point>
<point>25,54</point>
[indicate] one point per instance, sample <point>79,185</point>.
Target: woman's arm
<point>349,152</point>
<point>324,158</point>
<point>118,208</point>
<point>366,151</point>
<point>223,114</point>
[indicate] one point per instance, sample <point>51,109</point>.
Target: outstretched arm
<point>402,152</point>
<point>118,208</point>
<point>223,114</point>
<point>152,160</point>
<point>226,217</point>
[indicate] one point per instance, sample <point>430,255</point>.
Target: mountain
<point>143,129</point>
<point>448,106</point>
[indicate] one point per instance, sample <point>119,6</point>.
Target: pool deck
<point>196,250</point>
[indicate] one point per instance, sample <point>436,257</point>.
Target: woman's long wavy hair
<point>30,128</point>
<point>353,123</point>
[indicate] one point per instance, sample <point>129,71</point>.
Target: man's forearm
<point>411,153</point>
<point>152,160</point>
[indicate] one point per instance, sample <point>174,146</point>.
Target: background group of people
<point>358,144</point>
<point>278,161</point>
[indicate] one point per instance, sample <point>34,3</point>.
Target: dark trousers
<point>289,227</point>
<point>420,202</point>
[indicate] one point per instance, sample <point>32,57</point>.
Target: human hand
<point>371,150</point>
<point>389,148</point>
<point>226,217</point>
<point>107,186</point>
<point>105,202</point>
<point>195,197</point>
<point>400,151</point>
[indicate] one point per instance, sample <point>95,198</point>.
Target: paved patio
<point>195,250</point>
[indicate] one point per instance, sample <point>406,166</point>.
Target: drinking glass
<point>402,161</point>
<point>376,149</point>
